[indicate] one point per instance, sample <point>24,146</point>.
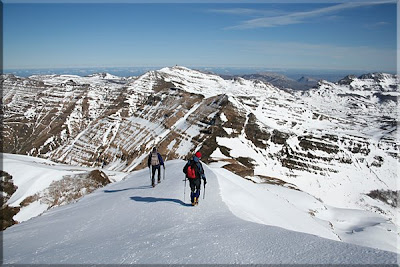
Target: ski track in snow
<point>129,222</point>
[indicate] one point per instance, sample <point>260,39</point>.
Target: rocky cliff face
<point>334,140</point>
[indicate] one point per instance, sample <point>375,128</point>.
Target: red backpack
<point>191,171</point>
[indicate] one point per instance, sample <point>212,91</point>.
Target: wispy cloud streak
<point>276,19</point>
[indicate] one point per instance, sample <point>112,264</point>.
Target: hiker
<point>155,161</point>
<point>194,172</point>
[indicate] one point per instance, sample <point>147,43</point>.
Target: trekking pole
<point>151,181</point>
<point>204,194</point>
<point>164,173</point>
<point>184,191</point>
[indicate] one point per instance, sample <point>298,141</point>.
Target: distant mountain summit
<point>279,80</point>
<point>347,80</point>
<point>104,75</point>
<point>372,81</point>
<point>307,80</point>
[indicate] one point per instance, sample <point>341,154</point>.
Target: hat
<point>154,149</point>
<point>198,154</point>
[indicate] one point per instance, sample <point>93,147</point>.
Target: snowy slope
<point>212,85</point>
<point>34,175</point>
<point>298,211</point>
<point>129,222</point>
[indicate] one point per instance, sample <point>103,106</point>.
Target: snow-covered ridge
<point>105,75</point>
<point>129,222</point>
<point>211,85</point>
<point>365,102</point>
<point>97,79</point>
<point>375,81</point>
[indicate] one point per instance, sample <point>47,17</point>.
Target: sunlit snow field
<point>237,222</point>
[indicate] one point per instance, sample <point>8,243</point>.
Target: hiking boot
<point>196,201</point>
<point>153,185</point>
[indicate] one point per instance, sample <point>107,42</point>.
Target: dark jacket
<point>160,159</point>
<point>199,170</point>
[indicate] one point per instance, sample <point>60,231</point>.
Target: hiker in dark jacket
<point>155,161</point>
<point>194,172</point>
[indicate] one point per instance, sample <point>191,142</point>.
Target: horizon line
<point>191,66</point>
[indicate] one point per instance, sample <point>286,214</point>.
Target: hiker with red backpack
<point>194,173</point>
<point>155,161</point>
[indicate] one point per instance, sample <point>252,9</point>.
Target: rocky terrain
<point>335,141</point>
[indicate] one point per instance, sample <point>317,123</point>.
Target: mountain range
<point>333,141</point>
<point>279,80</point>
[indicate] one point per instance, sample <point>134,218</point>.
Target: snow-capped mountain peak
<point>104,75</point>
<point>371,82</point>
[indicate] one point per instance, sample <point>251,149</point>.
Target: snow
<point>237,146</point>
<point>310,113</point>
<point>32,175</point>
<point>228,130</point>
<point>298,211</point>
<point>129,222</point>
<point>184,148</point>
<point>212,85</point>
<point>30,113</point>
<point>179,124</point>
<point>262,204</point>
<point>361,227</point>
<point>48,141</point>
<point>171,145</point>
<point>94,80</point>
<point>217,154</point>
<point>34,209</point>
<point>40,175</point>
<point>223,117</point>
<point>113,130</point>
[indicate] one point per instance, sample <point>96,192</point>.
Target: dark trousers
<point>195,185</point>
<point>153,171</point>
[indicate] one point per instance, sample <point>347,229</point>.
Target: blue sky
<point>344,36</point>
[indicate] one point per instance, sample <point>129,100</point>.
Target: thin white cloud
<point>377,25</point>
<point>297,17</point>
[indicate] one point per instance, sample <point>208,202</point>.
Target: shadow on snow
<point>155,199</point>
<point>126,189</point>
